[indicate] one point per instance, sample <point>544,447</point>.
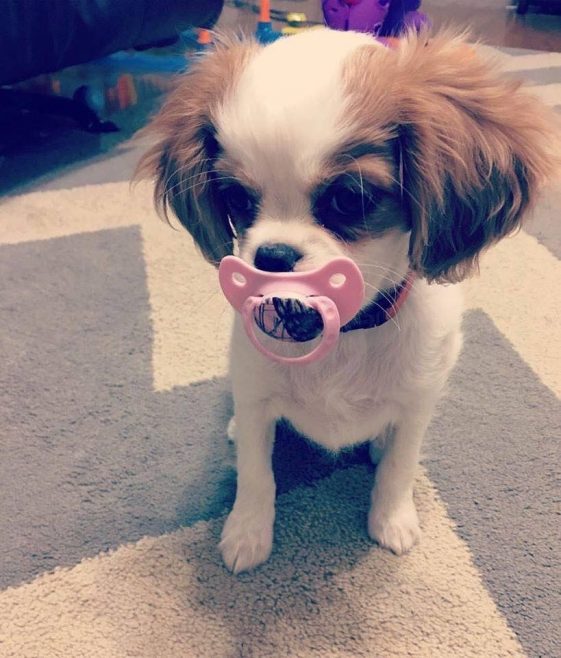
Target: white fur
<point>283,117</point>
<point>285,112</point>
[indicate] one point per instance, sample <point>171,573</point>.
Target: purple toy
<point>381,18</point>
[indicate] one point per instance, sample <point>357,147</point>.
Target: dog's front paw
<point>247,541</point>
<point>395,529</point>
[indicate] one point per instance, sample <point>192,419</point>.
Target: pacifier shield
<point>293,307</point>
<point>288,319</point>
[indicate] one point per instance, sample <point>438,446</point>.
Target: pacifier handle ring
<point>331,325</point>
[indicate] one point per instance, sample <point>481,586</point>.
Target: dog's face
<point>328,143</point>
<point>297,183</point>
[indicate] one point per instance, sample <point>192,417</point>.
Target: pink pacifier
<point>335,291</point>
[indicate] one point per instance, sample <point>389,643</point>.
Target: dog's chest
<point>338,407</point>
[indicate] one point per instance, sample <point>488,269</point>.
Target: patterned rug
<point>115,473</point>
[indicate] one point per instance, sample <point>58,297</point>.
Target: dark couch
<point>42,36</point>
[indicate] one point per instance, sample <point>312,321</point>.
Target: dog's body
<point>372,379</point>
<point>377,380</point>
<point>328,144</point>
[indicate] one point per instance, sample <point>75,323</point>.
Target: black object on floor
<point>73,108</point>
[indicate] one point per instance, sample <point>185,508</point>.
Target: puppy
<point>410,161</point>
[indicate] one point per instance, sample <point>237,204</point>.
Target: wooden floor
<point>493,21</point>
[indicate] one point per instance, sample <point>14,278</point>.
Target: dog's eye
<point>350,201</point>
<point>239,202</point>
<point>343,207</point>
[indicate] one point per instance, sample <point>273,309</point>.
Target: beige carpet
<point>326,592</point>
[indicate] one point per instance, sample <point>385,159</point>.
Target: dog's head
<point>328,143</point>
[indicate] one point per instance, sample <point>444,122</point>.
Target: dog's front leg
<point>393,520</point>
<point>247,538</point>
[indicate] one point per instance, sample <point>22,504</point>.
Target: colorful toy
<point>204,38</point>
<point>265,32</point>
<point>321,300</point>
<point>296,22</point>
<point>381,18</point>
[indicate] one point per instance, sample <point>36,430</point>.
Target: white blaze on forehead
<point>286,109</point>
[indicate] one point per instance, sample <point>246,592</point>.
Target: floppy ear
<point>182,158</point>
<point>474,149</point>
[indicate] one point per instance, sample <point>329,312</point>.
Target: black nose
<point>276,257</point>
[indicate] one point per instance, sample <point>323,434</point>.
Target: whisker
<point>213,295</point>
<point>393,319</point>
<point>182,190</point>
<point>403,190</point>
<point>380,292</point>
<point>386,270</point>
<point>360,183</point>
<point>182,167</point>
<point>382,268</point>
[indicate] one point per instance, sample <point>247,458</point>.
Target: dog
<point>411,161</point>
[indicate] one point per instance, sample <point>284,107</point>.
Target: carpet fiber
<point>115,473</point>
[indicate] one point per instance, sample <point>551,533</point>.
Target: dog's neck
<point>383,308</point>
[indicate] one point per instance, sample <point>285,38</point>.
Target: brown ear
<point>182,158</point>
<point>474,149</point>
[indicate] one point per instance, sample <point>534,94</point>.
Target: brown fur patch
<point>474,147</point>
<point>181,160</point>
<point>372,161</point>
